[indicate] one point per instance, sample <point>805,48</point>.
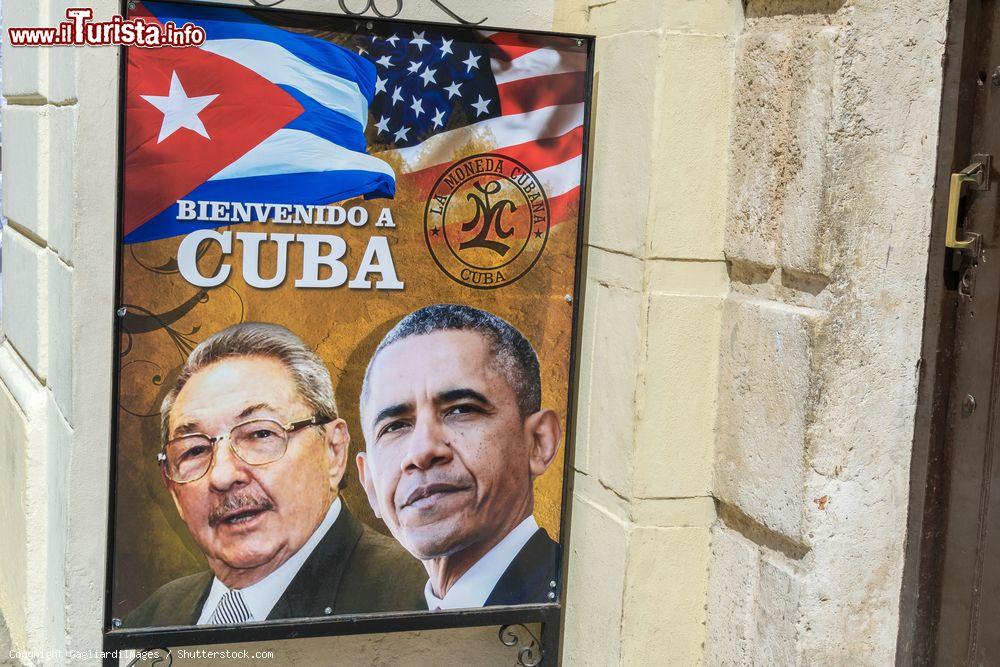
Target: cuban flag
<point>256,114</point>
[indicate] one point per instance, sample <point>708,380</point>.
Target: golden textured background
<point>152,545</point>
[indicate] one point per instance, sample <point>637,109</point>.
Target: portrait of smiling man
<point>455,436</point>
<point>253,455</point>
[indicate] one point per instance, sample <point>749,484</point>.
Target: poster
<point>348,266</point>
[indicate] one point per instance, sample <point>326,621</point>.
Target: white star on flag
<point>396,97</point>
<point>445,46</point>
<point>179,110</point>
<point>382,125</point>
<point>417,106</point>
<point>380,84</point>
<point>438,119</point>
<point>428,76</point>
<point>392,40</point>
<point>481,106</point>
<point>419,41</point>
<point>384,61</point>
<point>401,135</point>
<point>471,62</point>
<point>414,67</point>
<point>453,89</point>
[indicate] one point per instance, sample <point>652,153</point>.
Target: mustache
<point>239,502</point>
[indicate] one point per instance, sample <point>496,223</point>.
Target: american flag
<point>437,91</point>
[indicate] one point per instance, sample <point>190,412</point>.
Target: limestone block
<point>38,193</point>
<point>25,289</point>
<point>665,588</point>
<point>24,409</point>
<point>765,382</point>
<point>14,429</point>
<point>623,120</point>
<point>689,182</point>
<point>598,546</point>
<point>732,579</point>
<point>59,305</point>
<point>754,596</point>
<point>607,443</point>
<point>609,351</point>
<point>777,610</point>
<point>784,95</point>
<point>35,74</point>
<point>676,408</point>
<point>714,17</point>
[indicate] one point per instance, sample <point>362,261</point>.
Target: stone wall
<point>756,249</point>
<point>656,280</point>
<point>832,166</point>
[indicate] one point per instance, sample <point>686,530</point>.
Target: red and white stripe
<point>541,89</point>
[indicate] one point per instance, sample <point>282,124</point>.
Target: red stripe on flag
<point>565,206</point>
<point>540,92</point>
<point>535,155</point>
<point>510,45</point>
<point>547,152</point>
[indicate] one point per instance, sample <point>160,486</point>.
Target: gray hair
<point>258,339</point>
<point>513,355</point>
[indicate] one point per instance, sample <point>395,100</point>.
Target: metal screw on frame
<point>131,5</point>
<point>116,622</point>
<point>569,298</point>
<point>122,312</point>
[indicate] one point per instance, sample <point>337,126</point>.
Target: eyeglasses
<point>256,442</point>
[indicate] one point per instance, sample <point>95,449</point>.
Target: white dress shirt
<point>474,587</point>
<point>261,597</point>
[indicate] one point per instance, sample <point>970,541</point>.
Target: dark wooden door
<point>968,619</point>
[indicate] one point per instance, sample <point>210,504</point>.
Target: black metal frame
<point>549,616</point>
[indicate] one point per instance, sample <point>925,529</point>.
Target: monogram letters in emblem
<point>490,215</point>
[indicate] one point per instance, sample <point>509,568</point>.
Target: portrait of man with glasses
<point>253,453</point>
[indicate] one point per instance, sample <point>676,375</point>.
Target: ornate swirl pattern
<point>528,655</point>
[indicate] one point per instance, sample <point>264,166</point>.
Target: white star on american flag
<point>396,97</point>
<point>438,119</point>
<point>417,106</point>
<point>401,134</point>
<point>481,106</point>
<point>385,61</point>
<point>453,89</point>
<point>382,125</point>
<point>471,62</point>
<point>379,85</point>
<point>414,66</point>
<point>392,40</point>
<point>428,76</point>
<point>419,41</point>
<point>445,46</point>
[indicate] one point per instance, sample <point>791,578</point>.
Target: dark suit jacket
<point>529,577</point>
<point>353,570</point>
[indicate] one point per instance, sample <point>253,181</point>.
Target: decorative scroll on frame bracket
<point>529,649</point>
<point>373,6</point>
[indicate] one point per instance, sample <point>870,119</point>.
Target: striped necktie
<point>231,610</point>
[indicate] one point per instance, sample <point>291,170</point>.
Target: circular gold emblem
<point>486,221</point>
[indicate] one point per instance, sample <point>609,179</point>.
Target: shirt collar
<point>474,587</point>
<point>261,597</point>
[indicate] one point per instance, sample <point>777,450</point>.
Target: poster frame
<point>548,616</point>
